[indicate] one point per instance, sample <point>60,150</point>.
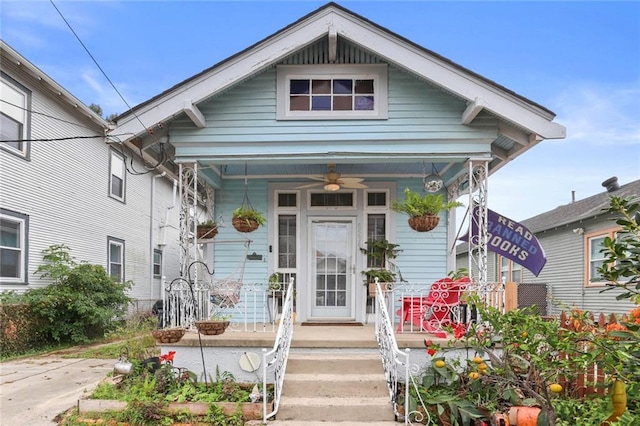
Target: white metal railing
<point>436,308</point>
<point>395,362</point>
<point>248,306</point>
<point>276,358</point>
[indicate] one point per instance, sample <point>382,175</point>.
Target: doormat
<point>332,324</point>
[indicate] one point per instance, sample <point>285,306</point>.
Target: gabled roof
<point>580,210</point>
<point>55,90</point>
<point>528,122</point>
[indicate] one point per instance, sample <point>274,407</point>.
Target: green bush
<point>82,306</point>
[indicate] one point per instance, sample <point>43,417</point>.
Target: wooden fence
<point>590,380</point>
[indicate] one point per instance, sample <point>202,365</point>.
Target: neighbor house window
<point>14,116</point>
<point>117,176</point>
<point>13,246</point>
<point>509,270</point>
<point>116,258</point>
<point>157,263</point>
<point>332,91</point>
<point>594,258</point>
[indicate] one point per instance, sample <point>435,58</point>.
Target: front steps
<point>341,388</point>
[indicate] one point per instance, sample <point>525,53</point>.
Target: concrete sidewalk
<point>33,391</point>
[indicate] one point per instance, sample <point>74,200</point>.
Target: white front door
<point>332,265</point>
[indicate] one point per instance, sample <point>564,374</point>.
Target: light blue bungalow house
<point>321,126</point>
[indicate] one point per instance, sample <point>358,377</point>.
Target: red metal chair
<point>433,312</point>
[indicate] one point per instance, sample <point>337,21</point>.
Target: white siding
<point>63,188</point>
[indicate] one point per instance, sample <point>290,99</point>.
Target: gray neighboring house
<point>63,182</point>
<point>571,236</point>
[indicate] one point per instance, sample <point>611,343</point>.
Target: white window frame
<point>509,271</point>
<point>117,168</point>
<point>375,72</point>
<point>157,252</point>
<point>17,110</point>
<point>117,243</point>
<point>353,206</point>
<point>22,221</point>
<point>588,239</point>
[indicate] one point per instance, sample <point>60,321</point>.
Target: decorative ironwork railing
<point>276,358</point>
<point>439,307</point>
<point>395,362</point>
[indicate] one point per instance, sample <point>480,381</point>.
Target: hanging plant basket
<point>206,231</point>
<point>244,225</point>
<point>423,223</point>
<point>168,335</point>
<point>211,327</point>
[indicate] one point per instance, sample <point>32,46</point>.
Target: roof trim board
<point>333,19</point>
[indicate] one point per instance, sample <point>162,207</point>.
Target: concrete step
<point>337,409</point>
<point>335,385</point>
<point>327,363</point>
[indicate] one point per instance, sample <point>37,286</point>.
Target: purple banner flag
<point>512,240</point>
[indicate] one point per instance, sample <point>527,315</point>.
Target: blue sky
<point>579,59</point>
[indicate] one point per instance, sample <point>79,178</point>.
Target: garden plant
<point>519,358</point>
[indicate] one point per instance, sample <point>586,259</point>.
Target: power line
<point>45,115</point>
<point>59,139</point>
<point>98,65</point>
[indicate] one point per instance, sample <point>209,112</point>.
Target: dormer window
<point>332,92</point>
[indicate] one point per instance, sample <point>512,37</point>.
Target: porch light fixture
<point>332,186</point>
<point>433,182</point>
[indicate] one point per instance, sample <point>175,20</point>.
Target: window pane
<point>321,86</point>
<point>332,200</point>
<point>321,103</point>
<point>286,241</point>
<point>9,233</point>
<point>342,103</point>
<point>376,199</point>
<point>342,87</point>
<point>116,186</point>
<point>364,103</point>
<point>299,87</point>
<point>299,103</point>
<point>364,86</point>
<point>10,261</point>
<point>10,130</point>
<point>287,200</point>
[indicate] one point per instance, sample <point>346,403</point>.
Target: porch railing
<point>276,358</point>
<point>395,362</point>
<point>436,307</point>
<point>248,306</point>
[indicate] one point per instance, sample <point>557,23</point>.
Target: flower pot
<point>168,335</point>
<point>244,225</point>
<point>423,223</point>
<point>206,231</point>
<point>211,328</point>
<point>523,416</point>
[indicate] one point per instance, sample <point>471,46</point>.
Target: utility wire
<point>45,115</point>
<point>98,65</point>
<point>59,139</point>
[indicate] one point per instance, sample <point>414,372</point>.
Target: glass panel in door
<point>332,264</point>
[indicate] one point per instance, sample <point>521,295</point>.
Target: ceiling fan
<point>331,181</point>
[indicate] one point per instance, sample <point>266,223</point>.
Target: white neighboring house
<point>63,182</point>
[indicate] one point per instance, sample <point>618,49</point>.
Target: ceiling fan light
<point>332,186</point>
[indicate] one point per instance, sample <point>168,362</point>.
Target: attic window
<point>332,92</point>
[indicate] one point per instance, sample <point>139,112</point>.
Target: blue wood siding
<point>418,112</point>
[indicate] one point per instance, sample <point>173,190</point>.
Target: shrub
<point>82,303</point>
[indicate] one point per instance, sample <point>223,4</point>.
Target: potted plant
<point>423,210</point>
<point>168,335</point>
<point>208,229</point>
<point>217,324</point>
<point>380,255</point>
<point>247,219</point>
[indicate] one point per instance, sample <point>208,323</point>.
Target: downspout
<point>151,226</point>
